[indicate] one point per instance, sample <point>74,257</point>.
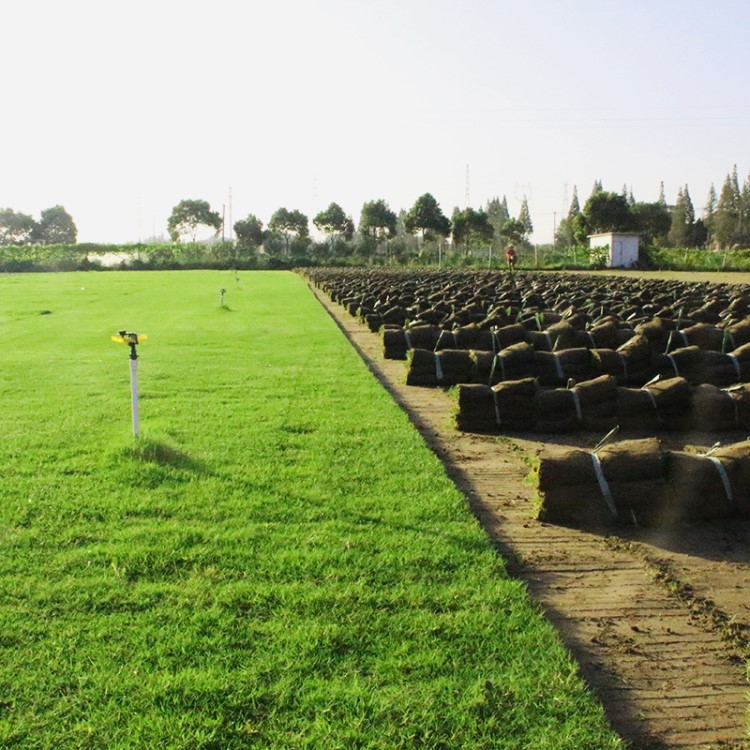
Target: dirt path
<point>658,622</point>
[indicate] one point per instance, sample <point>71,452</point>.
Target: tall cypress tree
<point>525,218</point>
<point>682,229</point>
<point>726,220</point>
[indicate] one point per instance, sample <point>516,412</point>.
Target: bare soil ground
<point>658,620</point>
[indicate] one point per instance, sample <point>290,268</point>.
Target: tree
<point>710,211</point>
<point>249,232</point>
<point>335,223</point>
<point>289,224</point>
<point>608,212</point>
<point>188,215</point>
<point>652,221</point>
<point>497,214</point>
<point>566,232</point>
<point>726,220</point>
<point>662,198</point>
<point>470,226</point>
<point>682,225</point>
<point>55,227</point>
<point>377,221</point>
<point>425,216</point>
<point>525,218</point>
<point>15,228</point>
<point>597,188</point>
<point>513,232</point>
<point>744,232</point>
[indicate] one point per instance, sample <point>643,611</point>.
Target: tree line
<point>55,227</point>
<point>424,227</point>
<point>725,223</point>
<point>288,231</point>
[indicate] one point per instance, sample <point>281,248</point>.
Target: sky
<point>119,110</point>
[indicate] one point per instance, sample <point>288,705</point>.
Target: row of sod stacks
<point>637,482</point>
<point>451,298</point>
<point>634,364</point>
<point>662,335</point>
<point>599,405</point>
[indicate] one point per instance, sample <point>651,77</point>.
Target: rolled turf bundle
<point>686,362</point>
<point>620,482</point>
<point>374,322</point>
<point>555,368</point>
<point>508,335</point>
<point>713,410</point>
<point>395,315</point>
<point>597,403</point>
<point>720,369</point>
<point>657,331</point>
<point>741,360</point>
<point>736,460</point>
<point>421,336</point>
<point>703,335</point>
<point>610,362</point>
<point>476,409</point>
<point>606,335</point>
<point>663,404</point>
<point>509,406</point>
<point>740,394</point>
<point>702,486</point>
<point>423,368</point>
<point>739,333</point>
<point>637,352</point>
<point>513,363</point>
<point>673,399</point>
<point>394,343</point>
<point>446,340</point>
<point>455,366</point>
<point>557,411</point>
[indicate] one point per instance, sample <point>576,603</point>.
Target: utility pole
<point>231,224</point>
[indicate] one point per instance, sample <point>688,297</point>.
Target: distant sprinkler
<point>132,340</point>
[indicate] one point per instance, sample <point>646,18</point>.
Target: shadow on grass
<point>158,453</point>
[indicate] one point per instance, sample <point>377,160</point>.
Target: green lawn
<point>279,562</point>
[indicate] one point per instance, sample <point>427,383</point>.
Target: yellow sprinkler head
<point>131,339</point>
<point>125,337</point>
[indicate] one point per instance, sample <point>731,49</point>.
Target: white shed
<point>622,248</point>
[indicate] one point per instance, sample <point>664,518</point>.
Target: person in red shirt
<point>510,254</point>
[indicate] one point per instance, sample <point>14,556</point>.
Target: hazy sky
<point>118,110</point>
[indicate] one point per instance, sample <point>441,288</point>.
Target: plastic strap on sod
<point>624,367</point>
<point>737,367</point>
<point>408,339</point>
<point>438,368</point>
<point>577,402</point>
<point>674,364</point>
<point>591,339</point>
<point>558,366</point>
<point>724,478</point>
<point>498,420</point>
<point>549,340</point>
<point>603,484</point>
<point>495,342</point>
<point>440,338</point>
<point>684,338</point>
<point>653,401</point>
<point>497,358</point>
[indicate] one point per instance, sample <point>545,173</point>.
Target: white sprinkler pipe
<point>134,395</point>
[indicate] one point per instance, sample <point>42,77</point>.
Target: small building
<point>621,248</point>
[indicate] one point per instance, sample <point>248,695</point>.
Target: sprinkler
<point>132,340</point>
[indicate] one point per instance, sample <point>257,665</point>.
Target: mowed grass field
<point>279,562</point>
